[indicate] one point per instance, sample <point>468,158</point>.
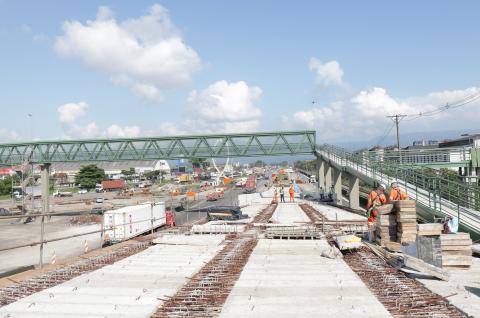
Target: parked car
<point>97,210</point>
<point>82,191</point>
<point>99,200</point>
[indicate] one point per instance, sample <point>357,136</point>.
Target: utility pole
<point>397,118</point>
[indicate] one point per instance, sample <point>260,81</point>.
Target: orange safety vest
<point>374,198</point>
<point>291,191</point>
<point>396,195</point>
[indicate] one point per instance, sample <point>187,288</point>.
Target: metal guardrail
<point>459,156</point>
<point>437,194</point>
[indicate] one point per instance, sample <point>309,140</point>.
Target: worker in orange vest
<point>375,198</point>
<point>291,191</point>
<point>275,199</point>
<point>396,193</point>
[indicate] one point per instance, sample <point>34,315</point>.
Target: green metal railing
<point>436,157</point>
<point>442,196</point>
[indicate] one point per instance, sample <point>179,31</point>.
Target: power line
<point>467,100</point>
<point>385,134</point>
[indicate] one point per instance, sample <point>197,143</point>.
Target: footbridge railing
<point>433,193</point>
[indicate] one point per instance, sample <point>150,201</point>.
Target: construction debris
<point>456,250</point>
<point>300,232</point>
<point>348,242</point>
<point>402,296</point>
<point>332,253</point>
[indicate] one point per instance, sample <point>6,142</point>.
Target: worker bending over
<point>396,193</point>
<point>376,198</point>
<point>291,191</point>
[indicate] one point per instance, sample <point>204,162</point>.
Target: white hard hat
<point>382,186</point>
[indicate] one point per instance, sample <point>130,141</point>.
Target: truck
<point>130,221</point>
<point>185,178</point>
<point>251,184</point>
<point>217,194</point>
<point>61,194</point>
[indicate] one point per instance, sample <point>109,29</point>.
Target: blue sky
<point>249,65</point>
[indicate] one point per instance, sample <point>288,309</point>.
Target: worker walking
<point>292,193</point>
<point>282,195</point>
<point>376,198</point>
<point>396,193</point>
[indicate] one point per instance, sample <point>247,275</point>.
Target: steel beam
<point>155,148</point>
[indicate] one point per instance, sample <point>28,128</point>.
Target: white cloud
<point>148,54</point>
<point>121,132</point>
<point>25,28</point>
<point>364,115</point>
<point>224,106</point>
<point>8,135</point>
<point>326,74</point>
<point>69,113</point>
<point>89,130</point>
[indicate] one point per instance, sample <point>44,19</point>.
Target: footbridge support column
<point>354,193</point>
<point>321,173</point>
<point>337,186</point>
<point>328,177</point>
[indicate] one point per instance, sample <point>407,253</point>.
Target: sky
<point>89,69</point>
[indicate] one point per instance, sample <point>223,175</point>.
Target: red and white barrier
<point>54,258</point>
<point>85,247</point>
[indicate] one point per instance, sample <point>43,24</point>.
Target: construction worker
<point>396,193</point>
<point>375,198</point>
<point>291,191</point>
<point>282,195</point>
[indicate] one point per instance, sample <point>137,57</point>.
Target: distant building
<point>471,141</point>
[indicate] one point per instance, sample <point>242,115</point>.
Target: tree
<point>199,162</point>
<point>6,184</point>
<point>128,173</point>
<point>89,176</point>
<point>153,175</point>
<point>259,163</point>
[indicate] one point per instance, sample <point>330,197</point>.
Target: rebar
<point>205,293</point>
<point>402,296</point>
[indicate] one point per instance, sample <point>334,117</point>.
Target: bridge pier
<point>321,173</point>
<point>337,186</point>
<point>354,192</point>
<point>328,177</point>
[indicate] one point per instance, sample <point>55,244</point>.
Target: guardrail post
<point>151,215</point>
<point>42,239</point>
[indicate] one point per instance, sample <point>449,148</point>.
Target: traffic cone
<point>54,258</point>
<point>85,247</point>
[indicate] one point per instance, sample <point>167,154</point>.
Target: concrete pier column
<point>337,186</point>
<point>321,173</point>
<point>354,193</point>
<point>328,177</point>
<point>45,180</point>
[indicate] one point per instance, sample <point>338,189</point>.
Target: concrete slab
<point>332,213</point>
<point>132,287</point>
<point>289,213</point>
<point>462,289</point>
<point>289,278</point>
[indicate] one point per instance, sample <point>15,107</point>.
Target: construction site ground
<point>236,275</point>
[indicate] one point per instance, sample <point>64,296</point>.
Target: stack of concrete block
<point>406,212</point>
<point>456,250</point>
<point>386,228</point>
<point>429,229</point>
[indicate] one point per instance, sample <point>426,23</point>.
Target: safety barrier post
<point>42,239</point>
<point>151,215</point>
